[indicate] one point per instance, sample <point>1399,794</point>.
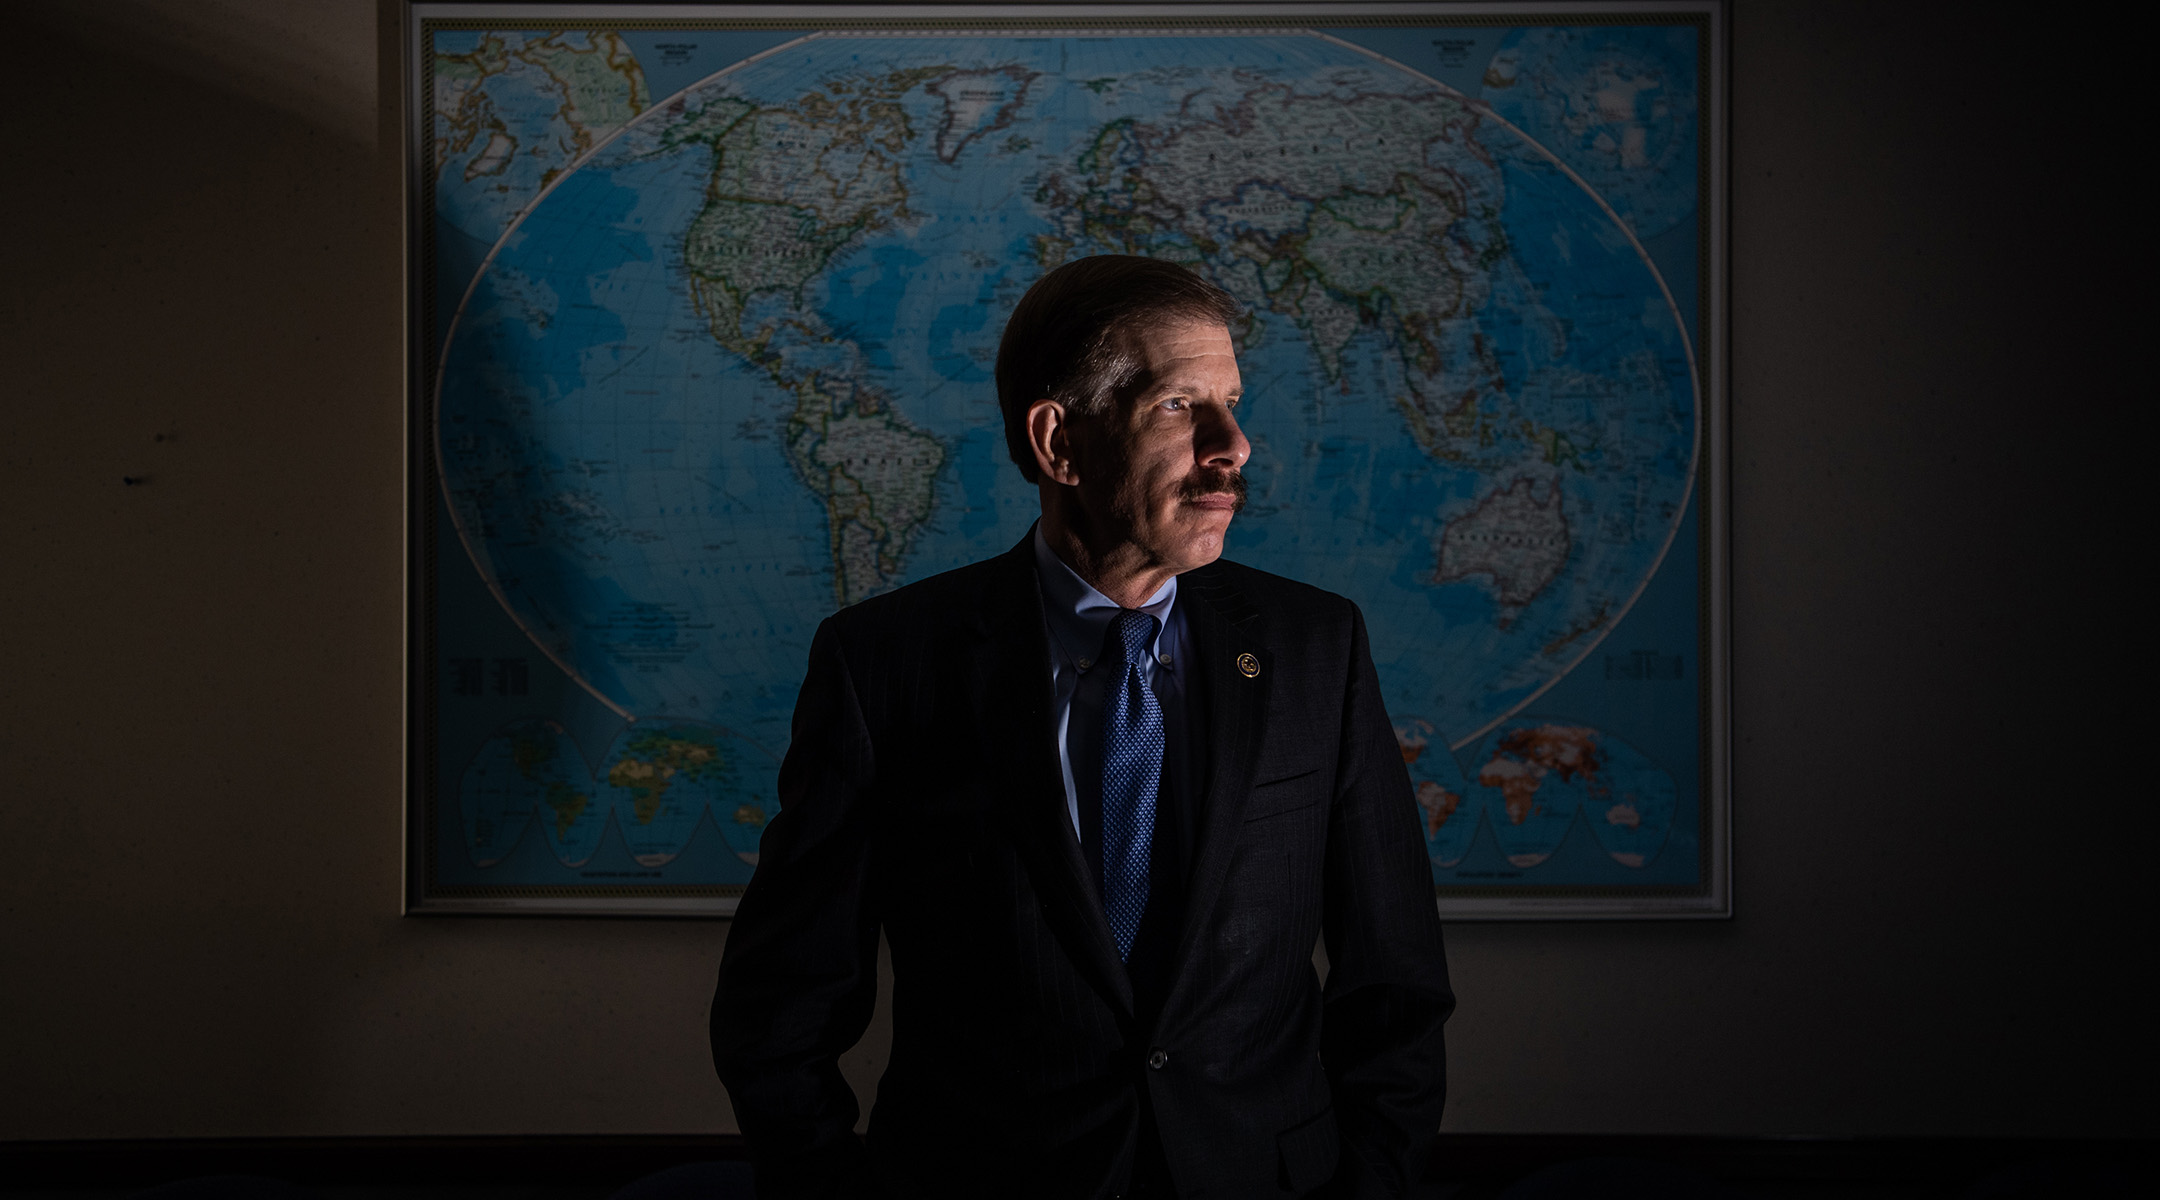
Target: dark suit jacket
<point>922,795</point>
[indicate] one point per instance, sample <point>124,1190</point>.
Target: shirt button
<point>1156,1058</point>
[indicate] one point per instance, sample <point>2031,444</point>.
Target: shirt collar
<point>1080,615</point>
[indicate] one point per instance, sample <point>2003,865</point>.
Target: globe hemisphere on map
<point>731,371</point>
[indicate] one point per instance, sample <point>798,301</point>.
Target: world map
<point>716,364</point>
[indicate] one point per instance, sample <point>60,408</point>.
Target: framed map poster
<point>704,306</point>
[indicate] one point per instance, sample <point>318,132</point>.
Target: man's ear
<point>1050,436</point>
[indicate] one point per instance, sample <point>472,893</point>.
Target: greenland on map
<point>705,310</point>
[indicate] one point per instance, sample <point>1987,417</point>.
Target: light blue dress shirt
<point>1079,618</point>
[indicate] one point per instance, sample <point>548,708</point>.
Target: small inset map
<point>656,782</point>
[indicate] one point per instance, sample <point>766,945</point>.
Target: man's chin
<point>1201,535</point>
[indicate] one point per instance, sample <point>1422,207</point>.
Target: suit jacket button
<point>1156,1058</point>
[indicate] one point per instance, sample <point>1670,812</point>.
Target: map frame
<point>425,892</point>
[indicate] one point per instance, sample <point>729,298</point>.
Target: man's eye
<point>1175,404</point>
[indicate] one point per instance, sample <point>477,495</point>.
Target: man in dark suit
<point>1101,794</point>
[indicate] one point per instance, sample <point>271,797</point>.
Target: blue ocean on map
<point>726,368</point>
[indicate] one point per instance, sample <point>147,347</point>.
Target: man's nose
<point>1218,442</point>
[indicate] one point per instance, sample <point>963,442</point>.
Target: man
<point>1102,794</point>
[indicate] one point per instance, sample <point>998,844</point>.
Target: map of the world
<point>715,317</point>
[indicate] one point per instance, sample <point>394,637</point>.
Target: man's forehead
<point>1183,348</point>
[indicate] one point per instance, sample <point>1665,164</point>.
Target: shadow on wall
<point>690,1181</point>
<point>315,61</point>
<point>1582,1179</point>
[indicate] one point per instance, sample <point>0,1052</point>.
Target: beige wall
<point>200,286</point>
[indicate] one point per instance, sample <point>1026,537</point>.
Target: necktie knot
<point>1131,633</point>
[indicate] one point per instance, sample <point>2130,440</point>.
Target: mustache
<point>1215,481</point>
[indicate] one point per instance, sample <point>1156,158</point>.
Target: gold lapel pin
<point>1248,666</point>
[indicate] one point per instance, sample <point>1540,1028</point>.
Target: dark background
<point>1942,807</point>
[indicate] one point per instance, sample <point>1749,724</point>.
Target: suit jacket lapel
<point>1011,666</point>
<point>1232,661</point>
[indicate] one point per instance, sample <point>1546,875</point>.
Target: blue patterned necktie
<point>1132,755</point>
